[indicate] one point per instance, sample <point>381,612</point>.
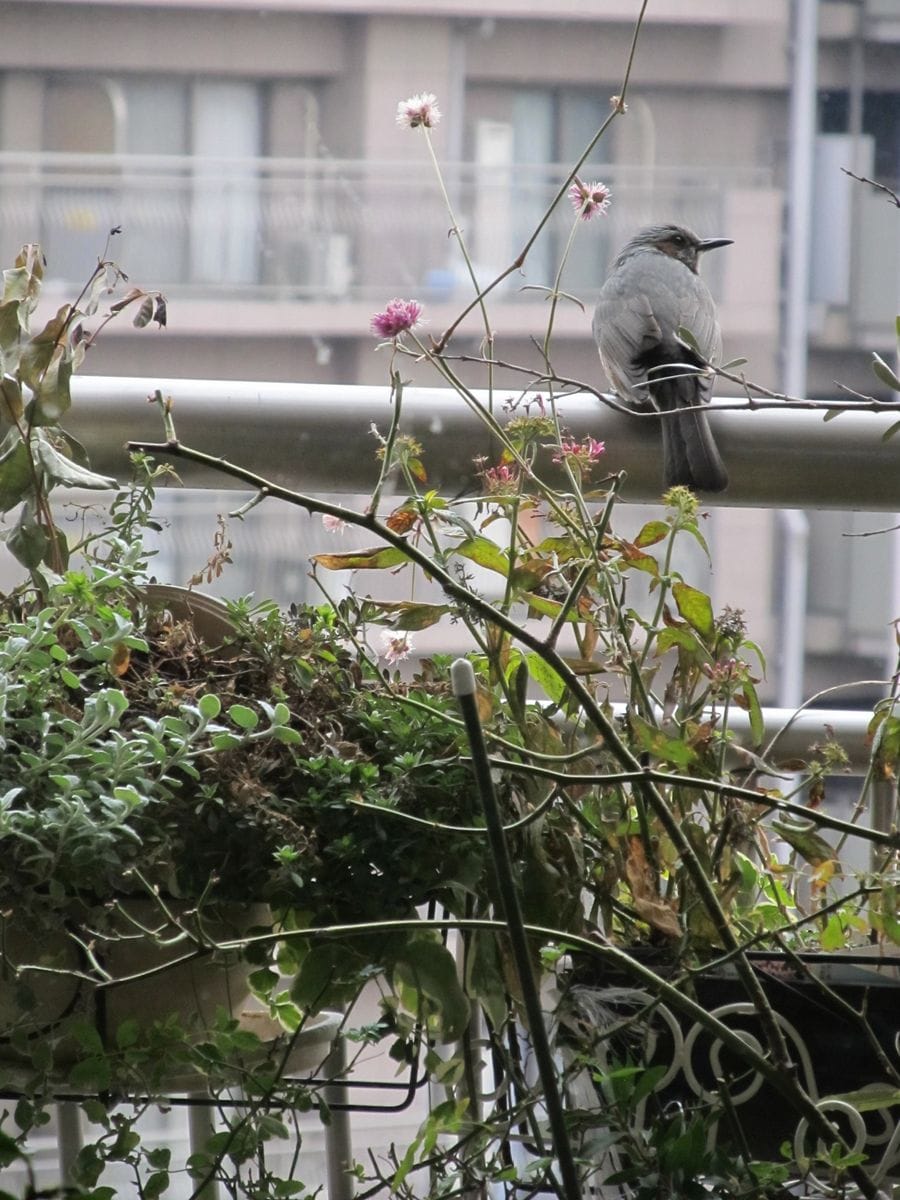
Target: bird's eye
<point>677,239</point>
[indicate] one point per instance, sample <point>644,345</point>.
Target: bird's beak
<point>714,244</point>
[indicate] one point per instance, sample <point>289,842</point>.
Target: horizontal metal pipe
<point>317,437</point>
<point>847,726</point>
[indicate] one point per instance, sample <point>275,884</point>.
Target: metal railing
<point>314,229</point>
<point>318,437</point>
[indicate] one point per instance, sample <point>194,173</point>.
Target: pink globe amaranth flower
<point>397,646</point>
<point>589,199</point>
<point>421,109</point>
<point>398,317</point>
<point>584,453</point>
<point>501,480</point>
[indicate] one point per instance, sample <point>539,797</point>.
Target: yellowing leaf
<point>120,660</point>
<point>648,903</point>
<point>653,532</point>
<point>402,519</point>
<point>544,675</point>
<point>485,553</point>
<point>407,614</point>
<point>362,560</point>
<point>695,607</point>
<point>528,574</point>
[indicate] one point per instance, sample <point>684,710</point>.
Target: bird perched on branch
<point>653,289</point>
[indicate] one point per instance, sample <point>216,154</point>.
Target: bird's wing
<point>640,307</point>
<point>698,314</point>
<point>625,327</point>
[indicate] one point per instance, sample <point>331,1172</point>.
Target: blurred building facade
<point>248,149</point>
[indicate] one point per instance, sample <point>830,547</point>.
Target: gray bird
<point>653,289</point>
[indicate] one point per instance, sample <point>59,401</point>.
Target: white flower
<point>421,109</point>
<point>397,645</point>
<point>333,524</point>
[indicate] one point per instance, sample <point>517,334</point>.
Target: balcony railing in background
<point>319,229</point>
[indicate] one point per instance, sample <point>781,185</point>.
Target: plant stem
<point>463,678</point>
<point>517,263</point>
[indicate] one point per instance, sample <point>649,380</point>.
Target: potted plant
<point>644,849</point>
<point>188,787</point>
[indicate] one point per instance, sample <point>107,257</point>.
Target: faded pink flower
<point>397,646</point>
<point>502,480</point>
<point>581,454</point>
<point>397,318</point>
<point>588,199</point>
<point>421,109</point>
<point>333,524</point>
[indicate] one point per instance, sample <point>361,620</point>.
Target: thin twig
<point>892,195</point>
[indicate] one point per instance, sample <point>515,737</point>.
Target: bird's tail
<point>690,454</point>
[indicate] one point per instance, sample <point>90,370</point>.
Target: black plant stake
<point>463,678</point>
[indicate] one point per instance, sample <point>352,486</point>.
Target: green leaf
<point>154,1185</point>
<point>11,406</point>
<point>833,936</point>
<point>28,542</point>
<point>287,736</point>
<point>243,717</point>
<point>672,635</point>
<point>60,469</point>
<point>685,335</point>
<point>209,706</point>
<point>832,414</point>
<point>430,968</point>
<point>890,432</point>
<point>269,1126</point>
<point>92,1074</point>
<point>658,743</point>
<point>544,607</point>
<point>95,1111</point>
<point>127,1034</point>
<point>329,976</point>
<point>362,560</point>
<point>546,677</point>
<point>128,795</point>
<point>9,1149</point>
<point>885,373</point>
<point>695,607</point>
<point>754,711</point>
<point>224,740</point>
<point>870,1098</point>
<point>485,553</point>
<point>15,472</point>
